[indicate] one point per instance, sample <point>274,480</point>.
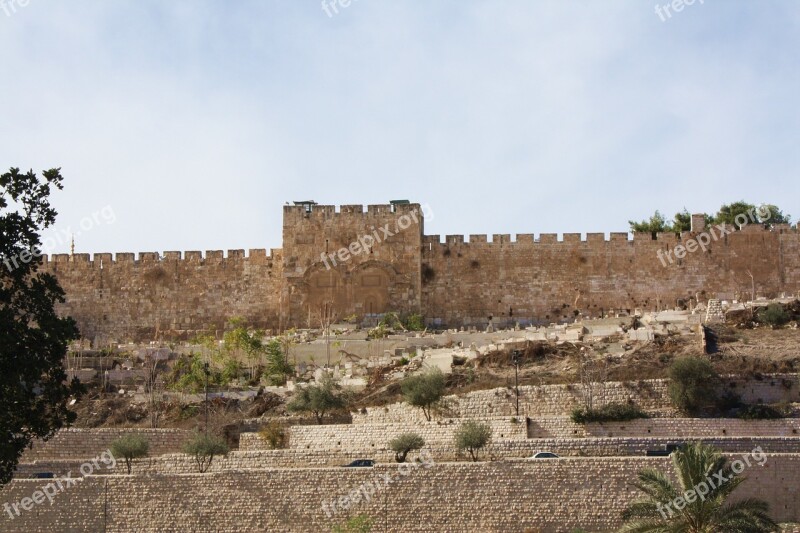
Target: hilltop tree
<point>33,338</point>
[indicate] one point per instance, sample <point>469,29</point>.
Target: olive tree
<point>404,443</point>
<point>472,436</point>
<point>424,390</point>
<point>130,447</point>
<point>203,448</point>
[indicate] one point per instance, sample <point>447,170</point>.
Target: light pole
<point>515,354</point>
<point>206,372</point>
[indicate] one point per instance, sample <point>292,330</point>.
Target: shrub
<point>130,447</point>
<point>471,436</point>
<point>319,399</point>
<point>414,322</point>
<point>760,412</point>
<point>357,524</point>
<point>693,385</point>
<point>402,444</point>
<point>774,315</point>
<point>274,435</point>
<point>424,390</point>
<point>613,412</point>
<point>203,448</point>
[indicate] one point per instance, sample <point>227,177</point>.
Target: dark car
<point>665,452</point>
<point>360,463</point>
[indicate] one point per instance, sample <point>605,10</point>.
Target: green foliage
<point>33,338</point>
<point>471,436</point>
<point>694,464</point>
<point>424,390</point>
<point>356,524</point>
<point>404,443</point>
<point>277,368</point>
<point>319,399</point>
<point>189,374</point>
<point>414,322</point>
<point>612,412</point>
<point>378,332</point>
<point>203,448</point>
<point>693,385</point>
<point>760,412</point>
<point>767,214</point>
<point>130,447</point>
<point>774,315</point>
<point>656,224</point>
<point>274,435</point>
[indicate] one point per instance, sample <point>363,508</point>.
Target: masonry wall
<point>563,427</point>
<point>460,281</point>
<point>555,400</point>
<point>174,296</point>
<point>545,280</point>
<point>548,496</point>
<point>81,444</point>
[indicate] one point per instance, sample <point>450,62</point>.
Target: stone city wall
<point>508,496</point>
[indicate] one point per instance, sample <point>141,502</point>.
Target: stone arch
<point>370,283</point>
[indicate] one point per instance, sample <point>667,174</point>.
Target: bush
<point>760,412</point>
<point>693,385</point>
<point>613,412</point>
<point>471,436</point>
<point>424,390</point>
<point>357,524</point>
<point>414,322</point>
<point>274,435</point>
<point>203,448</point>
<point>319,399</point>
<point>130,447</point>
<point>774,315</point>
<point>402,444</point>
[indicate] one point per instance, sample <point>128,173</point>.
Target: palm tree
<point>706,481</point>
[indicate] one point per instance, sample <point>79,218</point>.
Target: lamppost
<point>206,371</point>
<point>515,355</point>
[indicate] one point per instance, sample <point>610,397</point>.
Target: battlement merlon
<point>309,210</point>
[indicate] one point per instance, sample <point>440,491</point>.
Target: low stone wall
<point>375,437</point>
<point>507,496</point>
<point>79,444</point>
<point>563,427</point>
<point>559,400</point>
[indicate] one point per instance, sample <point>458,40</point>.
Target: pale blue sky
<point>195,121</point>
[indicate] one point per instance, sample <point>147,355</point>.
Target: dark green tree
<point>656,224</point>
<point>767,214</point>
<point>33,338</point>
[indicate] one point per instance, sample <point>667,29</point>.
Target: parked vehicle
<point>360,463</point>
<point>672,447</point>
<point>544,455</point>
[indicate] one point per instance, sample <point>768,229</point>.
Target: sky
<point>188,124</point>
